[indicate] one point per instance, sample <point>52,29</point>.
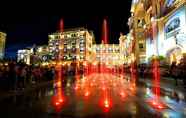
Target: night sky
<point>24,30</point>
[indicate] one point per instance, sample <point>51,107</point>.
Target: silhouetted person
<point>174,72</point>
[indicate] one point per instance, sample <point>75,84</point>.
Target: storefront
<point>174,43</point>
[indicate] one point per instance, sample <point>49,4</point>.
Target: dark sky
<point>27,29</point>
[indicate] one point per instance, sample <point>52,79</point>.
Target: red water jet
<point>105,32</point>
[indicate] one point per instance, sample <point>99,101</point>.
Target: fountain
<point>105,32</point>
<point>58,98</point>
<point>156,102</point>
<point>104,40</point>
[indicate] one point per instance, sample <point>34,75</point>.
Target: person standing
<point>174,72</point>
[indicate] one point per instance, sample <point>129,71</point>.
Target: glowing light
<point>68,85</point>
<point>131,88</point>
<point>61,100</point>
<point>95,63</point>
<point>156,104</point>
<point>68,64</point>
<point>87,93</point>
<point>85,63</point>
<point>61,25</point>
<point>58,84</point>
<point>57,103</point>
<point>76,88</point>
<point>148,91</point>
<point>103,88</point>
<point>106,103</point>
<point>122,94</point>
<point>160,107</point>
<point>105,32</point>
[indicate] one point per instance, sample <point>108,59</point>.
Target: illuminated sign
<point>175,31</point>
<point>170,3</point>
<point>175,23</point>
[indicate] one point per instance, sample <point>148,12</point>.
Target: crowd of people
<point>15,76</point>
<point>178,71</point>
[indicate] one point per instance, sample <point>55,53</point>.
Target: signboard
<point>175,28</point>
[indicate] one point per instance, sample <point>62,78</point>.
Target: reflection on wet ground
<point>103,95</point>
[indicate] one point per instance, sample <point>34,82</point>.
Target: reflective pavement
<point>92,96</point>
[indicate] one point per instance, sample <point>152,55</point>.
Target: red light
<point>122,94</point>
<point>57,103</point>
<point>160,107</point>
<point>76,88</point>
<point>87,93</point>
<point>131,88</point>
<point>60,100</point>
<point>154,103</point>
<point>103,88</point>
<point>106,103</point>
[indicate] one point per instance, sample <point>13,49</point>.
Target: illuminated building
<point>159,29</point>
<point>136,23</point>
<point>33,55</point>
<point>172,31</point>
<point>42,52</point>
<point>24,55</point>
<point>2,44</point>
<point>71,45</point>
<point>106,53</point>
<point>125,43</point>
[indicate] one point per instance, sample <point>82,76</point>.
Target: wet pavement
<point>96,95</point>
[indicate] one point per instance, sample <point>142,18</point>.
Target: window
<point>74,57</point>
<point>82,40</point>
<point>81,44</point>
<point>141,45</point>
<point>117,50</point>
<point>73,42</point>
<point>73,49</point>
<point>82,49</point>
<point>110,50</point>
<point>65,42</point>
<point>64,57</point>
<point>65,50</point>
<point>81,57</point>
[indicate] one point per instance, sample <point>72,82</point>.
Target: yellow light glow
<point>95,63</point>
<point>85,63</point>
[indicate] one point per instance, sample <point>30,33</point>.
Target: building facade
<point>71,45</point>
<point>108,54</point>
<point>34,55</point>
<point>126,48</point>
<point>158,28</point>
<point>24,55</point>
<point>42,53</point>
<point>2,44</point>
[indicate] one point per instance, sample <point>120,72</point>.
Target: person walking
<point>174,72</point>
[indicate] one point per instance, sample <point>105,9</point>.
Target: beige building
<point>108,54</point>
<point>42,52</point>
<point>24,55</point>
<point>126,48</point>
<point>159,29</point>
<point>71,45</point>
<point>2,44</point>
